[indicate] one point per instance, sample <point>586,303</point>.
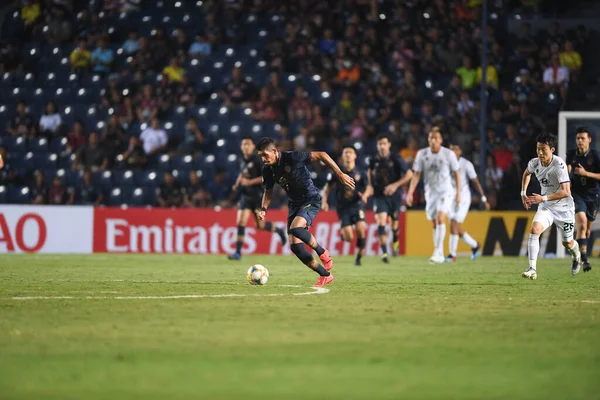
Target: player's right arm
<point>414,181</point>
<point>268,183</point>
<point>524,184</point>
<point>326,191</point>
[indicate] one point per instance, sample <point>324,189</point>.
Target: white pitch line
<point>591,301</point>
<point>316,290</point>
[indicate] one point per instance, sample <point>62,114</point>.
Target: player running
<point>350,207</point>
<point>250,182</point>
<point>438,165</point>
<point>459,214</point>
<point>584,169</point>
<point>387,173</point>
<point>289,169</point>
<point>556,204</point>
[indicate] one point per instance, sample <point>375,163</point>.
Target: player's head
<point>546,144</point>
<point>456,149</point>
<point>583,138</point>
<point>384,144</point>
<point>435,139</point>
<point>267,151</point>
<point>349,154</point>
<point>247,146</point>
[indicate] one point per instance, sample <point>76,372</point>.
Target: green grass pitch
<point>408,330</point>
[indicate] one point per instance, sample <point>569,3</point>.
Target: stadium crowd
<point>144,103</point>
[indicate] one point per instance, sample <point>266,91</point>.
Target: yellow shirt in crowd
<point>492,76</point>
<point>80,58</point>
<point>175,74</point>
<point>570,59</point>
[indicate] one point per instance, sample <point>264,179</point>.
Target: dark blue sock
<point>322,271</point>
<point>241,231</point>
<point>268,226</point>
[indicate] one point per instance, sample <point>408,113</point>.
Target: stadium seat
<point>182,163</point>
<point>58,145</point>
<point>124,178</point>
<point>38,145</point>
<point>148,178</point>
<point>114,197</point>
<point>19,195</point>
<point>3,195</point>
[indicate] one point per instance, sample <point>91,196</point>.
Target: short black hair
<point>382,136</point>
<point>547,138</point>
<point>264,142</point>
<point>349,146</point>
<point>583,129</point>
<point>247,137</point>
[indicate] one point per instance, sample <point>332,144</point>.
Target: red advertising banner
<point>207,231</point>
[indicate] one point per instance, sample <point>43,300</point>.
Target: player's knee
<point>301,233</point>
<point>348,236</point>
<point>300,251</point>
<point>536,228</point>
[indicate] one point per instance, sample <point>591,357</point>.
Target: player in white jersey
<point>555,203</point>
<point>438,165</point>
<point>459,214</point>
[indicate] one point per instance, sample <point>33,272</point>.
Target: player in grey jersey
<point>555,203</point>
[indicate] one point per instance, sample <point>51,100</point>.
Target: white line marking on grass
<point>316,290</point>
<point>591,301</point>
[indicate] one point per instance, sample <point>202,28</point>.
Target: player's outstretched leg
<point>305,236</point>
<point>439,235</point>
<point>453,241</point>
<point>533,247</point>
<point>395,237</point>
<point>573,248</point>
<point>584,228</point>
<point>307,259</point>
<point>270,227</point>
<point>381,219</point>
<point>242,220</point>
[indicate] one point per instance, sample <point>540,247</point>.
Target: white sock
<point>472,243</point>
<point>534,249</point>
<point>575,253</point>
<point>452,245</point>
<point>441,235</point>
<point>435,231</point>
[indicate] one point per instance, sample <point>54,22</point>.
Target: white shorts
<point>564,221</point>
<point>438,202</point>
<point>459,213</point>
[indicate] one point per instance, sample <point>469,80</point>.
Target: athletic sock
<point>322,271</point>
<point>533,245</point>
<point>319,250</point>
<point>394,235</point>
<point>360,244</point>
<point>472,243</point>
<point>575,253</point>
<point>268,226</point>
<point>453,244</point>
<point>241,231</point>
<point>583,248</point>
<point>383,248</point>
<point>439,240</point>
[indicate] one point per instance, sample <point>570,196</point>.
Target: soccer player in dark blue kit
<point>250,183</point>
<point>349,205</point>
<point>289,170</point>
<point>387,174</point>
<point>584,168</point>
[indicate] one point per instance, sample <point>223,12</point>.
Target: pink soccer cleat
<point>327,260</point>
<point>324,280</point>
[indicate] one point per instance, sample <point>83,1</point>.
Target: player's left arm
<point>325,159</point>
<point>479,189</point>
<point>403,169</point>
<point>579,170</point>
<point>564,191</point>
<point>455,168</point>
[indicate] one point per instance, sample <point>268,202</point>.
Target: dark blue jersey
<point>345,196</point>
<point>250,168</point>
<point>386,171</point>
<point>590,161</point>
<point>293,176</point>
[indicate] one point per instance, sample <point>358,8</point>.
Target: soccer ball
<point>257,274</point>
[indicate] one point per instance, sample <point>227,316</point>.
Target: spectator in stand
<point>263,109</point>
<point>523,88</point>
<point>113,136</point>
<point>30,14</point>
<point>527,45</point>
<point>556,78</point>
<point>161,45</point>
<point>126,112</point>
<point>51,121</point>
<point>76,138</point>
<point>491,78</point>
<point>181,44</point>
<point>465,106</point>
<point>86,193</point>
<point>170,192</point>
<point>570,58</point>
<point>198,145</point>
<point>328,45</point>
<point>154,138</point>
<point>130,5</point>
<point>57,194</point>
<point>10,60</point>
<point>196,195</point>
<point>147,107</point>
<point>173,71</point>
<point>451,55</point>
<point>91,155</point>
<point>503,157</point>
<point>22,123</point>
<point>344,110</point>
<point>361,127</point>
<point>493,179</point>
<point>102,58</point>
<point>144,60</point>
<point>135,156</point>
<point>201,47</point>
<point>299,105</point>
<point>468,74</point>
<point>132,44</point>
<point>80,57</point>
<point>237,92</point>
<point>348,75</point>
<point>38,192</point>
<point>512,141</point>
<point>409,152</point>
<point>59,26</point>
<point>277,94</point>
<point>218,188</point>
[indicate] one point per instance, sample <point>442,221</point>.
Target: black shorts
<point>387,204</point>
<point>307,210</point>
<point>253,203</point>
<point>588,204</point>
<point>351,215</point>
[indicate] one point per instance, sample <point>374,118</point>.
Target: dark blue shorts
<point>387,204</point>
<point>587,204</point>
<point>351,215</point>
<point>307,210</point>
<point>249,203</point>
